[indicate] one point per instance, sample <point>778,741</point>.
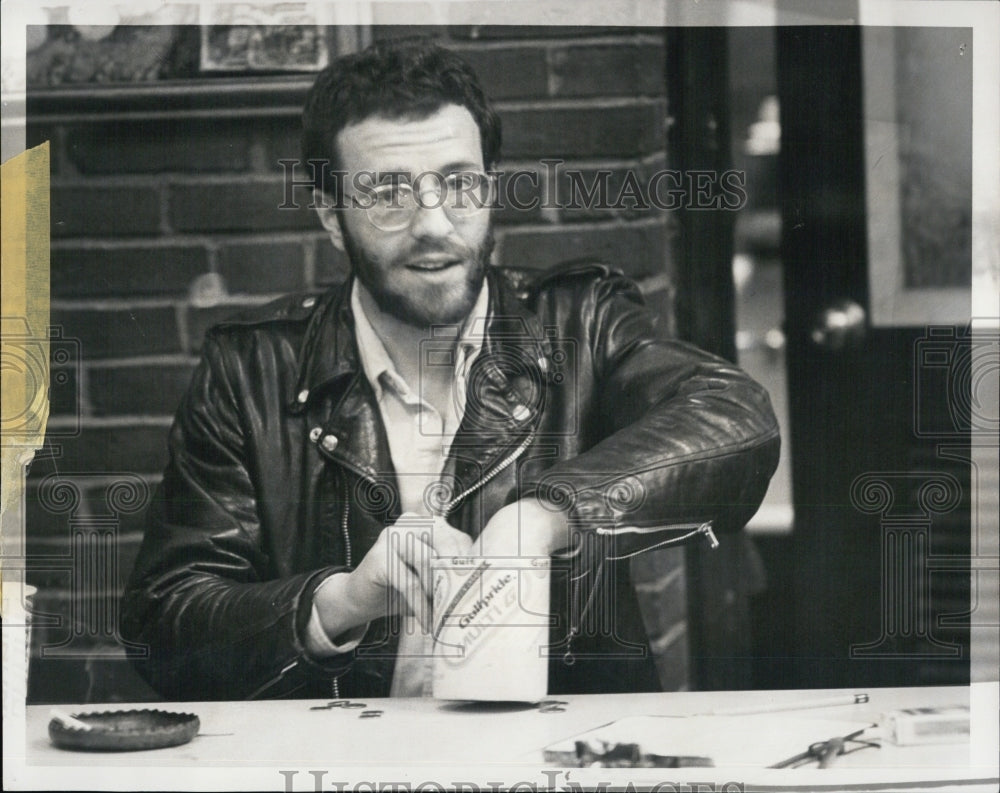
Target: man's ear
<point>329,217</point>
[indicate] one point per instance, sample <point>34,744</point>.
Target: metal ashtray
<point>122,731</point>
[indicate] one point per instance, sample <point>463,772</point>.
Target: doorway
<point>856,592</point>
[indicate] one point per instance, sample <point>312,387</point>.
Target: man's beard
<point>433,303</point>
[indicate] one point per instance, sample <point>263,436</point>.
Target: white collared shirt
<point>419,440</point>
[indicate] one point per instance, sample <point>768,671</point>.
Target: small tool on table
<point>825,752</point>
<point>339,703</point>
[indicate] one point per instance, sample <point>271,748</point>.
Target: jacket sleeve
<point>687,437</point>
<point>214,621</point>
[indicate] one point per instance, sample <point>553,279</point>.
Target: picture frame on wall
<point>248,37</point>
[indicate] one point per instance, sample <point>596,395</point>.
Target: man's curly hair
<point>401,78</point>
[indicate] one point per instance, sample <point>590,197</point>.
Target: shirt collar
<point>378,367</point>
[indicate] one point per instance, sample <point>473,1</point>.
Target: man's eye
<point>464,180</point>
<point>392,195</point>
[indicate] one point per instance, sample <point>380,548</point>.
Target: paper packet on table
<point>924,726</point>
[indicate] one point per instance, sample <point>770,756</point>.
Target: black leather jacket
<point>280,474</point>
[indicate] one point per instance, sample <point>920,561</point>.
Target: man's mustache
<point>421,251</point>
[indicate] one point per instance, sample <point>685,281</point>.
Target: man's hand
<point>393,577</point>
<point>528,527</point>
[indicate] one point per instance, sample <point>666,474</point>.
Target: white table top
<point>285,741</point>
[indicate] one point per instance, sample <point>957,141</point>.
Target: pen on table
<point>805,704</point>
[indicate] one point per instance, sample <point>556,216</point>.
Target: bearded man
<point>433,405</point>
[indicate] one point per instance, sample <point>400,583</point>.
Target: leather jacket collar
<point>515,347</point>
<point>328,349</point>
<point>507,388</point>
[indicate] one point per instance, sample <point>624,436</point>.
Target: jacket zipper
<point>284,671</point>
<point>335,682</point>
<point>694,529</point>
<point>492,473</point>
<point>343,524</point>
<point>344,517</point>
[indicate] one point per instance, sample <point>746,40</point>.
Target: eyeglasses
<point>391,207</point>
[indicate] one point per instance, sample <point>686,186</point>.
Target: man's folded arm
<point>216,622</point>
<point>690,437</point>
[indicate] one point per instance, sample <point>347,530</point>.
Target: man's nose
<point>429,217</point>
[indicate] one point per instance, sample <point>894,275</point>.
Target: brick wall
<point>164,220</point>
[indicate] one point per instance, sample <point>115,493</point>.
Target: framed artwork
<point>247,37</point>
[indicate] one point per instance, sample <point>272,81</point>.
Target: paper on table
<point>491,628</point>
<point>722,741</point>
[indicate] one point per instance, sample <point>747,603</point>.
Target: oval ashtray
<point>124,731</point>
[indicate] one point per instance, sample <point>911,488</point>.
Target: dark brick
<point>622,131</point>
<point>105,333</point>
<point>262,267</point>
<point>52,557</point>
<point>399,12</point>
<point>84,210</point>
<point>199,320</point>
<point>99,678</point>
<point>50,570</point>
<point>54,681</point>
<point>157,146</point>
<point>130,532</point>
<point>115,497</point>
<point>137,389</point>
<point>284,142</point>
<point>512,73</point>
<point>608,70</point>
<point>332,264</point>
<point>62,609</point>
<point>64,391</point>
<point>519,197</point>
<point>92,669</point>
<point>57,550</point>
<point>244,205</point>
<point>52,563</point>
<point>280,138</point>
<point>135,270</point>
<point>44,522</point>
<point>534,31</point>
<point>136,448</point>
<point>638,250</point>
<point>49,516</point>
<point>575,183</point>
<point>94,666</point>
<point>37,134</point>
